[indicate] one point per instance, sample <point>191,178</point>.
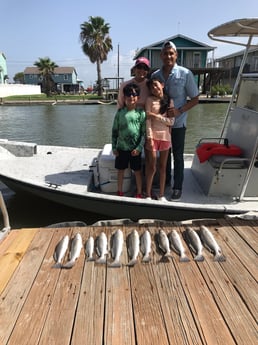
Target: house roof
<point>236,54</point>
<point>57,70</point>
<point>181,41</point>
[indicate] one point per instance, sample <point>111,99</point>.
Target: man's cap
<point>142,60</point>
<point>168,44</point>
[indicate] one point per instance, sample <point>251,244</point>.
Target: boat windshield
<point>247,95</point>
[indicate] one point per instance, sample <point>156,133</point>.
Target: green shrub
<point>221,90</point>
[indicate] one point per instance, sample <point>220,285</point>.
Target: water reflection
<point>204,121</point>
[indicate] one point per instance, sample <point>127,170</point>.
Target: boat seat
<point>225,175</point>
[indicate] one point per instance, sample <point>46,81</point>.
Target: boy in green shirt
<point>128,137</point>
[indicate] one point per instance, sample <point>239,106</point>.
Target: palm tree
<point>46,68</point>
<point>96,43</point>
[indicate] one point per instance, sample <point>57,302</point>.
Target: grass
<point>43,97</point>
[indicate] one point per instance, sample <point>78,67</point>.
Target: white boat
<point>225,182</point>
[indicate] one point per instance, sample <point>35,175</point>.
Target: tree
<point>46,68</point>
<point>19,78</point>
<point>96,43</point>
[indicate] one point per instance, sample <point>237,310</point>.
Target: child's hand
<point>135,152</point>
<point>115,152</point>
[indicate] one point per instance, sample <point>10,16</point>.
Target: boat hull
<point>118,207</point>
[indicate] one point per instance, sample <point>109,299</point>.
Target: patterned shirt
<point>128,131</point>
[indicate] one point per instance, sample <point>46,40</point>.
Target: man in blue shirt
<point>181,87</point>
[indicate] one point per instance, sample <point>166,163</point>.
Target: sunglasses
<point>130,93</point>
<point>142,66</point>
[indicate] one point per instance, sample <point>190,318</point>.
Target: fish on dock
<point>133,247</point>
<point>89,249</point>
<point>163,243</point>
<point>177,244</point>
<point>117,241</point>
<point>194,242</point>
<point>60,251</point>
<point>101,248</point>
<point>211,244</point>
<point>145,245</point>
<point>75,250</point>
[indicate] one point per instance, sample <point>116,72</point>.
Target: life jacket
<point>206,150</point>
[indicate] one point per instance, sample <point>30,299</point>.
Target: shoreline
<point>202,99</point>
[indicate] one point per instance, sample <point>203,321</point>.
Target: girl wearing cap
<point>141,70</point>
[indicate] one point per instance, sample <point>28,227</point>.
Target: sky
<point>33,29</point>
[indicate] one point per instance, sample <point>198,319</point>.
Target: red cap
<point>142,60</point>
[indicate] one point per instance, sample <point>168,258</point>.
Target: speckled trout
<point>177,245</point>
<point>194,243</point>
<point>145,245</point>
<point>60,251</point>
<point>133,247</point>
<point>89,248</point>
<point>101,248</point>
<point>117,241</point>
<point>209,242</point>
<point>74,254</point>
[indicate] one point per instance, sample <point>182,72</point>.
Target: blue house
<point>191,54</point>
<point>65,78</point>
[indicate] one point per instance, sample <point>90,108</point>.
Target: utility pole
<point>117,85</point>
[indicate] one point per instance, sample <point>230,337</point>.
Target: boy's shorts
<point>124,158</point>
<point>157,145</point>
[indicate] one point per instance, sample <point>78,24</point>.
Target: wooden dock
<point>159,303</point>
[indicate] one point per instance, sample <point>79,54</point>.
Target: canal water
<point>83,126</point>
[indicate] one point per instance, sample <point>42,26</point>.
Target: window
<point>196,60</point>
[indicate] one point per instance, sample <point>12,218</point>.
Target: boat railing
<point>253,161</point>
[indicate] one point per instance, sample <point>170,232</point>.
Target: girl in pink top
<point>158,135</point>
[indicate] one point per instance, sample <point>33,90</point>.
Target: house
<point>231,64</point>
<point>191,54</point>
<point>3,69</point>
<point>65,78</point>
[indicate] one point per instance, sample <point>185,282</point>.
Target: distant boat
<point>107,102</point>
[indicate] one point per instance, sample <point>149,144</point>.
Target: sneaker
<point>148,198</point>
<point>162,198</point>
<point>120,193</point>
<point>176,194</point>
<point>138,196</point>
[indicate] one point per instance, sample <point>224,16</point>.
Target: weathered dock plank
<point>119,325</point>
<point>195,305</point>
<point>35,311</point>
<point>227,293</point>
<point>14,254</point>
<point>89,320</point>
<point>14,296</point>
<point>58,326</point>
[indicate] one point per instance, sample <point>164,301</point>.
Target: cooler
<point>108,173</point>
